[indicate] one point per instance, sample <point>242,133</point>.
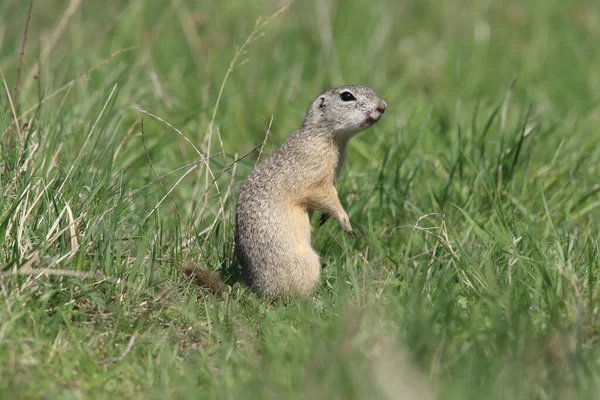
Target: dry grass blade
<point>154,170</point>
<point>224,170</point>
<point>72,231</point>
<point>240,50</point>
<point>12,108</point>
<point>170,191</point>
<point>130,195</point>
<point>38,272</point>
<point>203,159</point>
<point>222,208</point>
<point>125,352</point>
<point>232,65</point>
<point>267,138</point>
<point>162,121</point>
<point>22,208</point>
<point>22,53</point>
<point>112,92</point>
<point>58,31</point>
<point>127,136</point>
<point>81,78</point>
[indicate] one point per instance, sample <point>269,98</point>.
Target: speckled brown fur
<point>272,233</point>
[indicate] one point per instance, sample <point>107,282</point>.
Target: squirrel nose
<point>381,107</point>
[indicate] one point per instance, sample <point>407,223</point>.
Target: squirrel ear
<point>322,103</point>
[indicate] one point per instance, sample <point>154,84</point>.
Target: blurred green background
<point>476,274</point>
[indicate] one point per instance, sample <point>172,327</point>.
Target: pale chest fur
<point>332,160</point>
<point>320,187</point>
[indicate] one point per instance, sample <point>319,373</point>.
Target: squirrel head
<point>344,111</point>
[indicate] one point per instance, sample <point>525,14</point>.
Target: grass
<point>476,273</point>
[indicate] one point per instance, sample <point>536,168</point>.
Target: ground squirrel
<point>277,199</point>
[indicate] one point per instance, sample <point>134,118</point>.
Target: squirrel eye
<point>347,96</point>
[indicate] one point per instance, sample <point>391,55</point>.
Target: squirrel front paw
<point>345,224</point>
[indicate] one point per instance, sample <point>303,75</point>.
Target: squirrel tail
<point>206,279</point>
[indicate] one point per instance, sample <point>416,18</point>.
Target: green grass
<point>476,273</point>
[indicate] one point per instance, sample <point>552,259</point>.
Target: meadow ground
<point>476,271</point>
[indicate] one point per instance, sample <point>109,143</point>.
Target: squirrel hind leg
<point>298,276</point>
<point>309,272</point>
